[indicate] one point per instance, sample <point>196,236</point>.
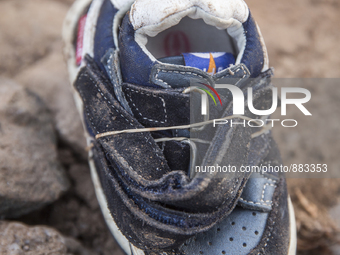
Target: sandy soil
<point>302,37</point>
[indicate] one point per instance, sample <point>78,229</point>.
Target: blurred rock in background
<point>17,238</point>
<point>30,174</point>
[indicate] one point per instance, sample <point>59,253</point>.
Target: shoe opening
<point>186,28</point>
<point>191,35</point>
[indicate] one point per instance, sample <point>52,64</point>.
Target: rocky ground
<point>47,202</point>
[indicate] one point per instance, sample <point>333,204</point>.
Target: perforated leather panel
<point>238,234</point>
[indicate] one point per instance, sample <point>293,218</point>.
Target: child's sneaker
<point>131,64</point>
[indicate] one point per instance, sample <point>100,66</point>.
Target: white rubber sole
<point>120,238</point>
<point>292,228</point>
<point>69,27</point>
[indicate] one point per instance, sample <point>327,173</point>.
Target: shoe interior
<point>190,35</point>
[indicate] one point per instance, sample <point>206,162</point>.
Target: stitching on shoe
<point>147,140</point>
<point>91,119</point>
<point>230,74</point>
<point>272,162</point>
<point>140,114</point>
<point>255,203</point>
<point>263,191</point>
<point>102,94</point>
<point>111,76</point>
<point>178,72</point>
<point>267,178</point>
<point>263,202</point>
<point>268,238</point>
<point>157,79</point>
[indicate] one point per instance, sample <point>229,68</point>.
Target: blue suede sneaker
<point>132,65</point>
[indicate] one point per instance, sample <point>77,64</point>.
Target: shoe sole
<point>70,25</point>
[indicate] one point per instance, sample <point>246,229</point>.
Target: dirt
<point>302,37</point>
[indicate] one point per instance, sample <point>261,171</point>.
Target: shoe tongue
<point>210,62</point>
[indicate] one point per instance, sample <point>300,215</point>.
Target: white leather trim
<point>145,13</point>
<point>233,26</point>
<point>156,26</point>
<point>119,4</point>
<point>136,251</point>
<point>150,17</point>
<point>265,51</point>
<point>237,32</point>
<point>69,27</point>
<point>90,27</point>
<point>117,20</point>
<point>142,40</point>
<point>292,226</point>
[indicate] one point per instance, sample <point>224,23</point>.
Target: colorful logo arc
<point>209,93</point>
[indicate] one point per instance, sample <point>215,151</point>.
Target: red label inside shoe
<point>175,43</point>
<point>80,37</point>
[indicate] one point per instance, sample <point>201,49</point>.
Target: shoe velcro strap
<point>154,206</point>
